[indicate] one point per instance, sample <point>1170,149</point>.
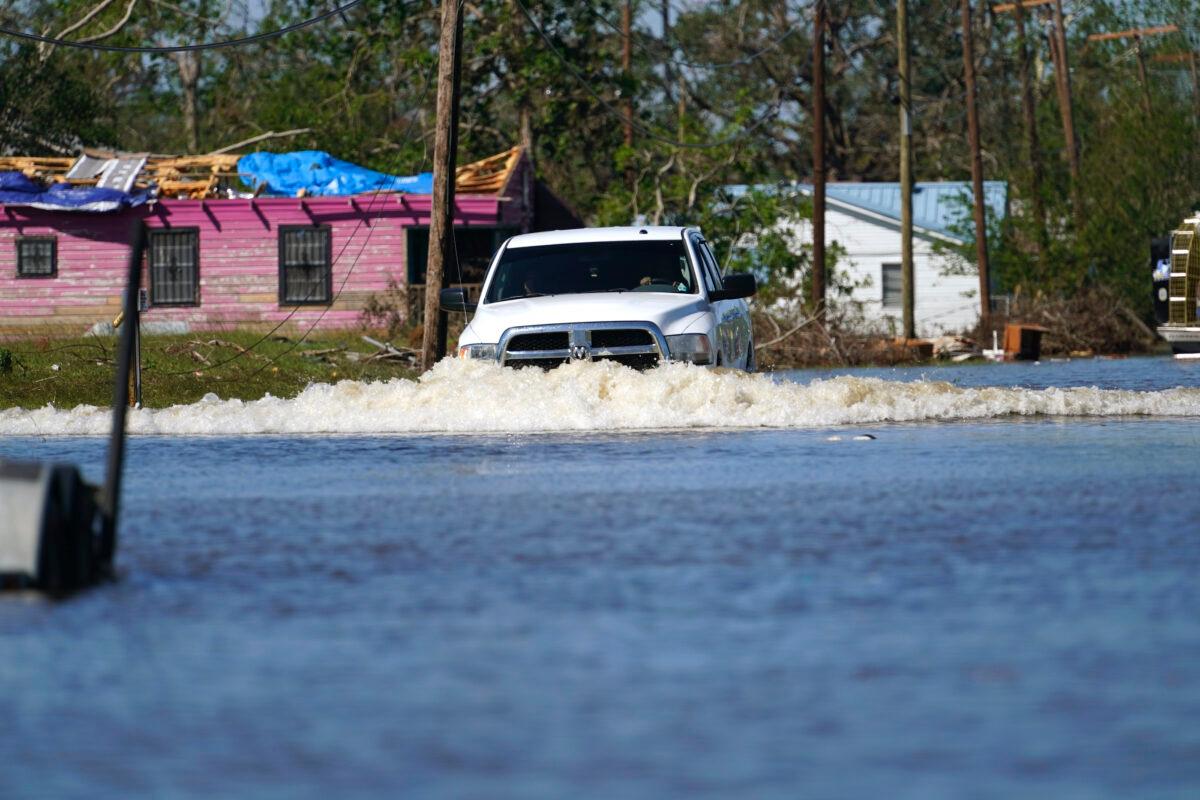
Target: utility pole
<point>445,155</point>
<point>666,43</point>
<point>1063,82</point>
<point>1136,34</point>
<point>524,102</point>
<point>627,65</point>
<point>1029,112</point>
<point>981,249</point>
<point>906,233</point>
<point>818,106</point>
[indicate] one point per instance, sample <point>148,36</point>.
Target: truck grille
<point>539,341</point>
<point>637,345</point>
<point>621,337</point>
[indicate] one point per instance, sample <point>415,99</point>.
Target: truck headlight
<point>691,347</point>
<point>487,351</point>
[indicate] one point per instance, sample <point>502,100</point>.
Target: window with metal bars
<point>892,287</point>
<point>174,261</point>
<point>305,265</point>
<point>37,256</point>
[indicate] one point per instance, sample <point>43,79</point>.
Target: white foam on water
<point>465,397</point>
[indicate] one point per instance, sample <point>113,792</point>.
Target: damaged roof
<point>208,176</point>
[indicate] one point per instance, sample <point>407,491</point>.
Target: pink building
<point>216,263</point>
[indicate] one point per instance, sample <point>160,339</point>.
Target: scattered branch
<point>260,138</point>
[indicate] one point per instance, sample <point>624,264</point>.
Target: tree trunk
<point>528,182</point>
<point>189,78</point>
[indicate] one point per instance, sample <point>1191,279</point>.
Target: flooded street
<point>988,599</point>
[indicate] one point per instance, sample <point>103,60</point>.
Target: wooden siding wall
<point>239,258</point>
<point>944,303</point>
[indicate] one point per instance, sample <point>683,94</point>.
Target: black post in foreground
<point>58,533</point>
<point>116,443</point>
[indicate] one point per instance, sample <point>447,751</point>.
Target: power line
<point>619,114</point>
<point>182,48</point>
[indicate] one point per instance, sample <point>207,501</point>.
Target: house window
<point>175,267</point>
<point>305,265</point>
<point>892,289</point>
<point>37,257</point>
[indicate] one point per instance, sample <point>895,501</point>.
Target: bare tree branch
<point>120,24</point>
<point>44,50</point>
<point>85,19</point>
<point>259,138</point>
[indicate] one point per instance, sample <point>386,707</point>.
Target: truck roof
<point>627,233</point>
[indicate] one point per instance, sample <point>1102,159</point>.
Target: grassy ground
<point>67,371</point>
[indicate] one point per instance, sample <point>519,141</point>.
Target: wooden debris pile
<point>192,177</point>
<point>489,175</point>
<point>212,175</point>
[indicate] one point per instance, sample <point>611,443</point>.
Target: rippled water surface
<point>998,604</point>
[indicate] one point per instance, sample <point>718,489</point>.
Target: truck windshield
<point>646,266</point>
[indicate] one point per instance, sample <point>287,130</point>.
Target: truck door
<point>733,323</point>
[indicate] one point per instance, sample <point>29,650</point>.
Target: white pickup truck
<point>638,295</point>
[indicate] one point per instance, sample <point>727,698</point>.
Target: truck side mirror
<point>455,299</point>
<point>737,286</point>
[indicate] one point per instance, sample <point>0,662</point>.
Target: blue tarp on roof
<point>318,173</point>
<point>941,206</point>
<point>18,190</point>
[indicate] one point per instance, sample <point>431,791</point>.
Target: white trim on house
<point>946,289</point>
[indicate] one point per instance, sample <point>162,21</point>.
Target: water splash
<point>465,397</point>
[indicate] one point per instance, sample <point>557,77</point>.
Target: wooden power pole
<point>906,182</point>
<point>627,65</point>
<point>668,81</point>
<point>1137,34</point>
<point>1065,106</point>
<point>1032,144</point>
<point>1029,111</point>
<point>445,147</point>
<point>818,117</point>
<point>981,249</point>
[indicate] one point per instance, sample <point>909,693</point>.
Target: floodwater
<point>675,584</point>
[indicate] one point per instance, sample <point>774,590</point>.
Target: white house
<point>863,220</point>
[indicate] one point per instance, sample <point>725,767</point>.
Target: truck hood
<point>665,310</point>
